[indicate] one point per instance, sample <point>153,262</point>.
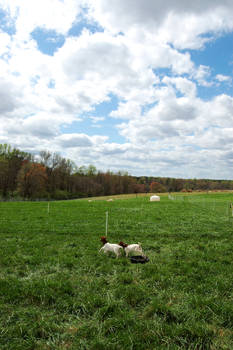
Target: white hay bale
<point>154,199</point>
<point>110,200</point>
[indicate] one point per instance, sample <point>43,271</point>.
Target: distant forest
<point>50,176</point>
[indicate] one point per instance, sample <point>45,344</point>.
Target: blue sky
<point>140,86</point>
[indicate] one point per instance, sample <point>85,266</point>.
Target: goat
<point>131,248</point>
<point>110,247</point>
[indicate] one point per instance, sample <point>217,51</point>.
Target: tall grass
<point>58,292</point>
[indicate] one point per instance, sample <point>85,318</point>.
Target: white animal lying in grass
<point>132,248</point>
<point>110,247</point>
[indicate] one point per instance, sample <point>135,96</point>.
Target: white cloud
<point>96,119</point>
<point>51,15</point>
<point>10,96</point>
<point>43,126</point>
<point>5,40</point>
<point>74,140</point>
<point>98,53</point>
<point>219,111</point>
<point>184,85</point>
<point>223,78</point>
<point>166,123</point>
<point>180,22</point>
<point>128,110</point>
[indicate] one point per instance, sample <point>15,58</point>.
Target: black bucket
<point>139,259</point>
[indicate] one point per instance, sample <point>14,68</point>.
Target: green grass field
<point>58,292</point>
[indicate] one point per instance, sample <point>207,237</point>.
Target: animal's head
<point>103,239</point>
<point>122,244</point>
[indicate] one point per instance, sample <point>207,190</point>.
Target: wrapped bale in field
<point>154,199</point>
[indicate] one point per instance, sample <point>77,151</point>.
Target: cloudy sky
<point>137,85</point>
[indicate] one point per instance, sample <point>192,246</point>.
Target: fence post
<point>106,226</point>
<point>230,209</point>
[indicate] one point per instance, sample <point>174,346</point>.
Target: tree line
<point>168,184</point>
<point>50,176</point>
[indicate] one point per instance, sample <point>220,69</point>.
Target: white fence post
<point>106,231</point>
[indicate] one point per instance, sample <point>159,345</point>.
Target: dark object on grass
<point>72,245</point>
<point>139,259</point>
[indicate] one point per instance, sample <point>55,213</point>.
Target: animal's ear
<point>103,240</point>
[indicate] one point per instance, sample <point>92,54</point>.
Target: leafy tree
<point>32,179</point>
<point>140,188</point>
<point>157,187</point>
<point>4,170</point>
<point>12,159</point>
<point>59,171</point>
<point>91,170</point>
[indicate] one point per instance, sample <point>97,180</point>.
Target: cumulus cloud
<point>92,54</point>
<point>184,85</point>
<point>141,59</point>
<point>128,110</point>
<point>202,74</point>
<point>180,22</point>
<point>5,40</point>
<point>9,97</point>
<point>30,14</point>
<point>223,78</point>
<point>74,140</point>
<point>96,119</point>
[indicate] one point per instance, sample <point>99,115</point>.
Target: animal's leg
<point>119,252</point>
<point>143,254</point>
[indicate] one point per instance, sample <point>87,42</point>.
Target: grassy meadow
<point>58,292</point>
